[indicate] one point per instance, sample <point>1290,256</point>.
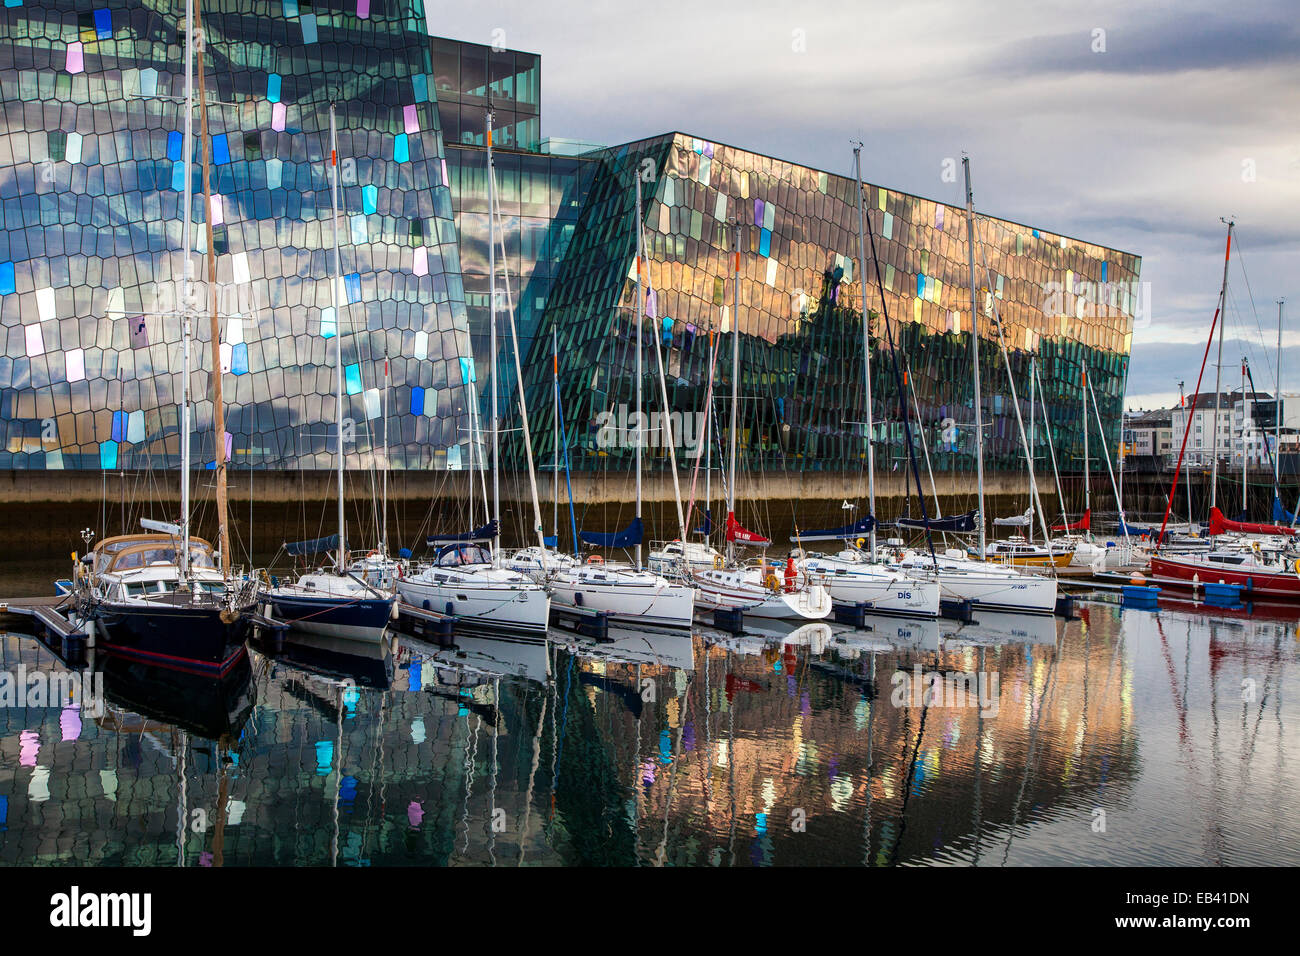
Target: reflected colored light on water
<point>751,751</point>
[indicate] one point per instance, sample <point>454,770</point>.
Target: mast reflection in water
<point>1122,737</point>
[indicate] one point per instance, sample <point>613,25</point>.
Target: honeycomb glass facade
<point>1063,304</point>
<point>91,185</point>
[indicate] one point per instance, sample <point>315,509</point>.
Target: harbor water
<point>1122,736</point>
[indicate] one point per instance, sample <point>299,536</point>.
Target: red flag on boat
<point>1219,525</point>
<point>1081,525</point>
<point>736,533</point>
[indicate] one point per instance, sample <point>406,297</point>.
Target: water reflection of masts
<point>977,801</point>
<point>731,768</point>
<point>866,812</point>
<point>492,778</point>
<point>182,795</point>
<point>532,772</point>
<point>636,773</point>
<point>683,717</point>
<point>1031,754</point>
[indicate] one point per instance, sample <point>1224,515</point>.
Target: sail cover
<point>486,533</point>
<point>1219,524</point>
<point>859,528</point>
<point>1081,525</point>
<point>706,528</point>
<point>314,546</point>
<point>743,535</point>
<point>1280,514</point>
<point>627,538</point>
<point>958,524</point>
<point>1016,521</point>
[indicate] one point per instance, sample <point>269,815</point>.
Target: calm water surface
<point>1122,737</point>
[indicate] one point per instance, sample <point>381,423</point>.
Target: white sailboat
<point>983,583</point>
<point>627,593</point>
<point>335,602</point>
<point>754,589</point>
<point>854,576</point>
<point>466,580</point>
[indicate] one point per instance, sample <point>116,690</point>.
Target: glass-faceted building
<point>1064,305</point>
<point>91,185</point>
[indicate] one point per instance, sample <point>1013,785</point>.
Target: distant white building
<point>1246,423</point>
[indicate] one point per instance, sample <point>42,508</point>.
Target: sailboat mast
<point>1243,435</point>
<point>383,537</point>
<point>492,340</point>
<point>640,310</point>
<point>1033,430</point>
<point>1277,411</point>
<point>187,289</point>
<point>866,348</point>
<point>555,469</point>
<point>735,387</point>
<point>218,403</point>
<point>1218,373</point>
<point>1087,461</point>
<point>975,351</point>
<point>335,279</point>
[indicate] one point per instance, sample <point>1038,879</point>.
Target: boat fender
<point>717,563</point>
<point>595,559</point>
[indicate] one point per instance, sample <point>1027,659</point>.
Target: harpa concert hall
<point>91,187</point>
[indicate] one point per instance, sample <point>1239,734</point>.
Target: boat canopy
<point>957,524</point>
<point>487,532</point>
<point>736,532</point>
<point>859,528</point>
<point>627,538</point>
<point>314,546</point>
<point>1083,524</point>
<point>1017,521</point>
<point>1280,514</point>
<point>1219,525</point>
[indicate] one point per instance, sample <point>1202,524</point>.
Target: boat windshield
<point>454,556</point>
<point>160,554</point>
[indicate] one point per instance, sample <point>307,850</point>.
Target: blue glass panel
<point>309,28</point>
<point>417,401</point>
<point>239,359</point>
<point>1104,263</point>
<point>290,8</point>
<point>401,149</point>
<point>920,286</point>
<point>421,84</point>
<point>352,379</point>
<point>175,142</point>
<point>178,176</point>
<point>273,87</point>
<point>765,242</point>
<point>369,199</point>
<point>6,278</point>
<point>103,24</point>
<point>119,424</point>
<point>220,149</point>
<point>108,455</point>
<point>467,370</point>
<point>352,287</point>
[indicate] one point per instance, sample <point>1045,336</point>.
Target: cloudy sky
<point>1136,125</point>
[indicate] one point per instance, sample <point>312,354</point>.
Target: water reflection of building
<point>758,743</point>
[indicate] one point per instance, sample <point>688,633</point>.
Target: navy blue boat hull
<point>347,618</point>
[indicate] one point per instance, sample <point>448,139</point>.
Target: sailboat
<point>334,603</point>
<point>166,597</point>
<point>856,576</point>
<point>624,593</point>
<point>984,583</point>
<point>467,579</point>
<point>1268,567</point>
<point>756,590</point>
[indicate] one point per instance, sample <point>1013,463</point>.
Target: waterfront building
<point>90,240</point>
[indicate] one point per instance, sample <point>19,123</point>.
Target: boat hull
<point>190,638</point>
<point>1024,594</point>
<point>670,606</point>
<point>496,608</point>
<point>1188,571</point>
<point>882,591</point>
<point>364,620</point>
